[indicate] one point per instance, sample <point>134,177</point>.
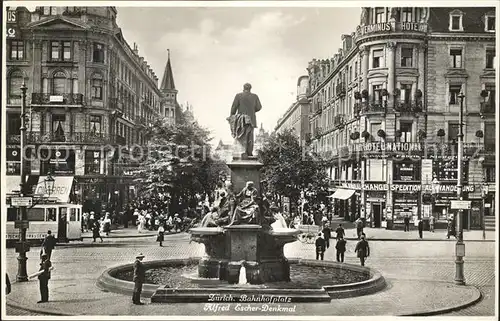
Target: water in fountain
<point>243,275</point>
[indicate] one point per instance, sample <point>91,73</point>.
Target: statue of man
<point>242,119</point>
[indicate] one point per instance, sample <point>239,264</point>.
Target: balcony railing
<point>115,104</point>
<point>75,138</point>
<point>13,139</point>
<point>50,99</point>
<point>410,106</point>
<point>14,100</point>
<point>487,108</point>
<point>371,107</point>
<point>339,121</point>
<point>340,90</point>
<point>318,131</point>
<point>120,140</point>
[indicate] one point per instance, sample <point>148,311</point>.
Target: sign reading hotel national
<point>391,27</point>
<point>406,187</point>
<point>386,146</point>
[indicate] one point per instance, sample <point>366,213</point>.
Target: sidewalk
<point>381,234</point>
<point>121,232</point>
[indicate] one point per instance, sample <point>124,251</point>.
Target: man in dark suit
<point>363,250</point>
<point>44,278</point>
<point>139,278</point>
<point>243,120</point>
<point>48,244</point>
<point>320,247</point>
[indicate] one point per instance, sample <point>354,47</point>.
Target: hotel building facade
<point>89,95</point>
<point>385,110</point>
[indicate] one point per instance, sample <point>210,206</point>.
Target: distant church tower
<point>169,105</point>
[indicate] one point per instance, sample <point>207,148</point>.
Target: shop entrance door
<point>377,214</point>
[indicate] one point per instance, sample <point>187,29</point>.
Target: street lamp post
<point>460,246</point>
<point>22,247</point>
<point>484,191</point>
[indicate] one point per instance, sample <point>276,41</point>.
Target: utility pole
<point>22,247</point>
<point>460,246</point>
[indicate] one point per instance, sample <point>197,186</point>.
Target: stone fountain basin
<point>161,294</point>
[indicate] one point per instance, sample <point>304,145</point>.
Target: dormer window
<point>489,23</point>
<point>456,21</point>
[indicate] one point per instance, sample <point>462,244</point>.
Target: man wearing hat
<point>44,278</point>
<point>362,249</point>
<point>48,244</point>
<point>139,278</point>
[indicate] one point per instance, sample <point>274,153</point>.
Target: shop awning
<point>62,188</point>
<point>343,194</point>
<point>12,184</point>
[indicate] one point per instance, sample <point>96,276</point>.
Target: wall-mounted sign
<point>11,16</point>
<point>383,27</point>
<point>377,147</point>
<point>12,32</point>
<point>407,187</point>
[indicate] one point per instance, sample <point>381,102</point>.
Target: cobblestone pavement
<point>428,267</point>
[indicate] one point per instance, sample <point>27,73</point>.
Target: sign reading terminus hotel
<point>391,27</point>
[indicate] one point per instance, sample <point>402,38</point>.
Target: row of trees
<point>181,163</point>
<point>291,169</point>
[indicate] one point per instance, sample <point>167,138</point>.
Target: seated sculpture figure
<point>210,219</point>
<point>247,210</point>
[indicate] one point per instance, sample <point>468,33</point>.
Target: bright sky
<point>214,51</point>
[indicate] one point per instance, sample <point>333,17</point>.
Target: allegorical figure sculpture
<point>247,210</point>
<point>242,119</point>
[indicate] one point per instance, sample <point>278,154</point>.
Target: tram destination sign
<point>21,201</point>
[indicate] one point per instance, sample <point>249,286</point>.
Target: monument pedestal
<point>242,243</point>
<point>244,170</point>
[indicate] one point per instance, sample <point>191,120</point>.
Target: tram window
<point>72,214</point>
<point>51,214</point>
<point>11,214</point>
<point>36,214</point>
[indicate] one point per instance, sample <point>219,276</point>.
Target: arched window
<point>59,83</point>
<point>15,83</point>
<point>97,86</point>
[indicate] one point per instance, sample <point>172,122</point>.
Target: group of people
<point>323,243</point>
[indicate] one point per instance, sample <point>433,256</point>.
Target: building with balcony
<point>385,109</point>
<point>297,115</point>
<point>90,97</point>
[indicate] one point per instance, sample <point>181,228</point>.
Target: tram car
<point>64,220</point>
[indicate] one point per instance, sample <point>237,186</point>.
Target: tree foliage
<point>179,162</point>
<point>289,168</point>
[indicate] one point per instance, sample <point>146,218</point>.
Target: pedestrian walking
<point>450,231</point>
<point>44,277</point>
<point>363,250</point>
<point>95,231</point>
<point>407,223</point>
<point>320,247</point>
<point>91,220</point>
<point>139,278</point>
<point>106,224</point>
<point>340,232</point>
<point>420,228</point>
<point>340,247</point>
<point>431,224</point>
<point>161,235</point>
<point>327,234</point>
<point>48,244</point>
<point>359,227</point>
<point>7,284</point>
